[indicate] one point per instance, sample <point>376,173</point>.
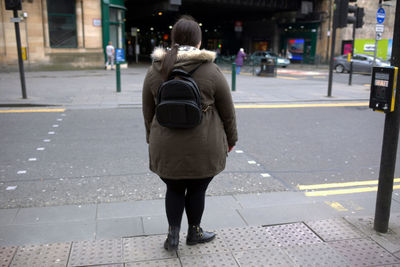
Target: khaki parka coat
<point>198,152</point>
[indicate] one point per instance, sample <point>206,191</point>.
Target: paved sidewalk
<point>259,229</point>
<point>97,88</point>
<point>269,229</point>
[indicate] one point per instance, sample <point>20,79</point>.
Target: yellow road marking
<point>32,110</point>
<point>305,105</point>
<point>335,185</point>
<point>345,191</point>
<point>336,205</point>
<point>288,78</point>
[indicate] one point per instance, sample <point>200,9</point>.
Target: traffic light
<point>13,5</point>
<point>360,17</point>
<point>341,12</point>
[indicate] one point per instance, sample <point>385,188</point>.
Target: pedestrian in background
<point>110,51</point>
<point>188,159</point>
<point>240,57</point>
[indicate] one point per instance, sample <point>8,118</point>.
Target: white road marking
<point>55,125</point>
<point>239,151</point>
<point>51,132</point>
<point>46,140</point>
<point>59,119</point>
<point>12,187</point>
<point>32,159</point>
<point>21,172</point>
<point>251,162</point>
<point>40,148</point>
<point>265,175</point>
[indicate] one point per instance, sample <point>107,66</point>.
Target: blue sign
<point>119,55</point>
<point>380,15</point>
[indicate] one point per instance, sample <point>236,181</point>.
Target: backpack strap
<point>181,72</point>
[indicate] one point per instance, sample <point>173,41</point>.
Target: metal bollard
<point>233,76</point>
<point>118,73</point>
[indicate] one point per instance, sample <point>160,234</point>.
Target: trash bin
<point>267,68</point>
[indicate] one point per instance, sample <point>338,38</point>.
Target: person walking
<point>187,159</point>
<point>110,51</point>
<point>241,55</point>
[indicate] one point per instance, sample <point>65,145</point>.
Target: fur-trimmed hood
<point>185,53</point>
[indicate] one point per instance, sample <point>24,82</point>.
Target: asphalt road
<point>99,155</point>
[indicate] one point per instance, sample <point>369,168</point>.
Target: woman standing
<point>188,159</point>
<point>240,57</point>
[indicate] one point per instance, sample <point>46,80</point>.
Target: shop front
<point>299,42</point>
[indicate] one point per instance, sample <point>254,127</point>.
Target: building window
<point>62,23</point>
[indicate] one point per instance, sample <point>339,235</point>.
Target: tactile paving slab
<point>216,246</point>
<point>96,252</point>
<point>263,257</point>
<point>6,255</point>
<point>292,234</point>
<point>238,239</point>
<point>320,254</point>
<point>334,230</point>
<point>155,263</point>
<point>363,252</point>
<point>145,248</point>
<point>208,260</point>
<point>42,255</point>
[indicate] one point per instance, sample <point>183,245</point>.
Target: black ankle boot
<point>197,235</point>
<point>172,241</point>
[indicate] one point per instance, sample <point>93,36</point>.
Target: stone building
<point>62,33</point>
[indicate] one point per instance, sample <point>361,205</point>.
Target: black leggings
<point>186,194</point>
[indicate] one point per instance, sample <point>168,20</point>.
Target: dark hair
<point>185,31</point>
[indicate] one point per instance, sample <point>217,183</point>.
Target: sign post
<point>120,57</point>
<point>15,6</point>
<point>380,18</point>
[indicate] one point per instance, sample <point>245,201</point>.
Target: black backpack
<point>179,101</point>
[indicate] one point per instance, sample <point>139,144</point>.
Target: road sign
<point>119,55</point>
<point>378,36</point>
<point>380,15</point>
<point>380,28</point>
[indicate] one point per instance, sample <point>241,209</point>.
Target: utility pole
<point>334,26</point>
<point>389,144</point>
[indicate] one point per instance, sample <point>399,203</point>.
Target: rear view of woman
<point>188,159</point>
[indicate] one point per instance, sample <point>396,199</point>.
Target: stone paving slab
<point>319,254</point>
<point>293,244</point>
<point>96,252</point>
<point>6,255</point>
<point>263,257</point>
<point>390,241</point>
<point>56,214</point>
<point>114,228</point>
<point>363,252</point>
<point>334,229</point>
<point>42,255</point>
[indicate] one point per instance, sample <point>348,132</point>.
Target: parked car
<point>361,63</point>
<point>280,61</point>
